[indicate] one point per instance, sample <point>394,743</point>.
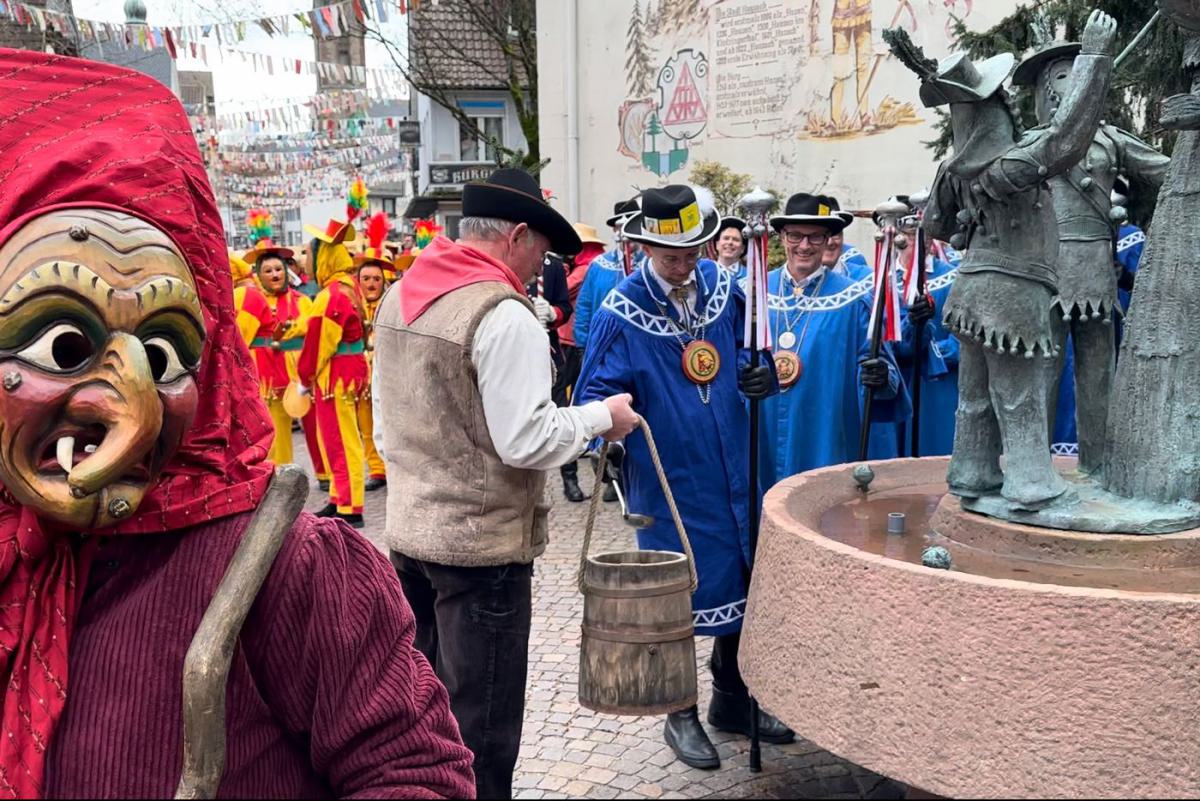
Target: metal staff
<point>918,200</point>
<point>756,205</point>
<point>889,212</point>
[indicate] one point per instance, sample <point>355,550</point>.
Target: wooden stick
<point>206,667</point>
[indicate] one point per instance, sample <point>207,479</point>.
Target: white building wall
<point>763,73</point>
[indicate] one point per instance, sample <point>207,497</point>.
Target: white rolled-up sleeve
<point>377,420</point>
<point>511,354</point>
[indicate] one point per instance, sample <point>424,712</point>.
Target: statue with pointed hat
<point>992,197</point>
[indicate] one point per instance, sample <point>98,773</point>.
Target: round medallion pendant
<point>701,362</point>
<point>788,367</point>
<point>787,340</point>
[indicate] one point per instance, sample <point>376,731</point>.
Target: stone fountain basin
<point>976,684</point>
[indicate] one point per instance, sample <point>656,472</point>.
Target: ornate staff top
<point>757,205</point>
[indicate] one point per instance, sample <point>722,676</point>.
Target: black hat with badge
<point>674,216</point>
<point>803,208</point>
<point>622,211</point>
<point>514,195</point>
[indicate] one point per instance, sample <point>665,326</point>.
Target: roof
<point>448,46</point>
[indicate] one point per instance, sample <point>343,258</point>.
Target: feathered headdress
<point>909,54</point>
<point>377,231</point>
<point>424,232</point>
<point>259,222</point>
<point>356,199</point>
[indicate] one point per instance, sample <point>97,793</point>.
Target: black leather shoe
<point>689,741</point>
<point>356,520</point>
<point>610,493</point>
<point>571,489</point>
<point>730,712</point>
<point>328,510</point>
<point>374,484</point>
<point>323,484</point>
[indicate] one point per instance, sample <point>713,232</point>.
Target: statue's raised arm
<point>1065,141</point>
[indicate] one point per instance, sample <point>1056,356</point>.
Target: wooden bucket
<point>638,651</point>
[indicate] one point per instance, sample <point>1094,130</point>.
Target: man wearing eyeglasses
<point>670,335</point>
<point>819,321</point>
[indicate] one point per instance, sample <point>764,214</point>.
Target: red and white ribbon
<point>887,282</point>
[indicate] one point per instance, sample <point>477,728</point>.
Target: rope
<point>594,507</point>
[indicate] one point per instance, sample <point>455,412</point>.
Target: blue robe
<point>853,263</point>
<point>816,423</point>
<point>1131,240</point>
<point>738,272</point>
<point>603,275</point>
<point>939,368</point>
<point>705,448</point>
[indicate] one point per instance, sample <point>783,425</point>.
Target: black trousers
<point>727,676</point>
<point>473,627</point>
<point>568,373</point>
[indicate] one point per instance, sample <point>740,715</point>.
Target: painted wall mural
<point>788,70</point>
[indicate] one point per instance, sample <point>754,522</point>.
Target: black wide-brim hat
<point>1028,70</point>
<point>803,208</point>
<point>671,217</point>
<point>732,222</point>
<point>514,195</point>
<point>623,211</point>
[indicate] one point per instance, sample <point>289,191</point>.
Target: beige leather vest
<point>450,499</point>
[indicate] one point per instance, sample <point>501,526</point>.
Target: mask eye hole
<point>165,365</point>
<point>60,349</point>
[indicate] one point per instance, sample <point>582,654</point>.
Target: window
<point>473,148</point>
<point>384,204</point>
<point>451,225</point>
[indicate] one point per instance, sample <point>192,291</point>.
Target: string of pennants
<point>272,124</point>
<point>326,22</point>
<point>310,159</point>
<point>310,187</point>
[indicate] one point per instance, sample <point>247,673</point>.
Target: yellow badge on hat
<point>689,215</point>
<point>823,210</point>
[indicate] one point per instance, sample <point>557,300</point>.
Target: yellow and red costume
<point>333,365</point>
<point>366,423</point>
<point>249,303</point>
<point>373,255</point>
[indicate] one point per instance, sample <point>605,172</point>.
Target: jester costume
<point>333,367</point>
<point>253,314</point>
<point>369,294</point>
<point>112,252</point>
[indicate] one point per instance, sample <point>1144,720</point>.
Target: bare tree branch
<point>508,58</point>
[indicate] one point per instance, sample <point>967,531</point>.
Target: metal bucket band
<point>683,585</point>
<point>638,637</point>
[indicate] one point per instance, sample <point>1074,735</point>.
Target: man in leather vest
<point>463,379</point>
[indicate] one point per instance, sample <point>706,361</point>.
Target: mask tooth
<point>66,453</point>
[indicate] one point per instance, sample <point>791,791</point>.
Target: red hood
<point>445,266</point>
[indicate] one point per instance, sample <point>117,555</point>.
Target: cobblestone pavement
<point>569,751</point>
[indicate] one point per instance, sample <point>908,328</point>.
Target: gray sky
<point>236,86</point>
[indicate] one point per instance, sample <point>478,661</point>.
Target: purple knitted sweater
<point>326,695</point>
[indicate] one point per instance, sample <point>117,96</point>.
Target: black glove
<point>873,373</point>
<point>1125,280</point>
<point>616,458</point>
<point>755,382</point>
<point>922,310</point>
